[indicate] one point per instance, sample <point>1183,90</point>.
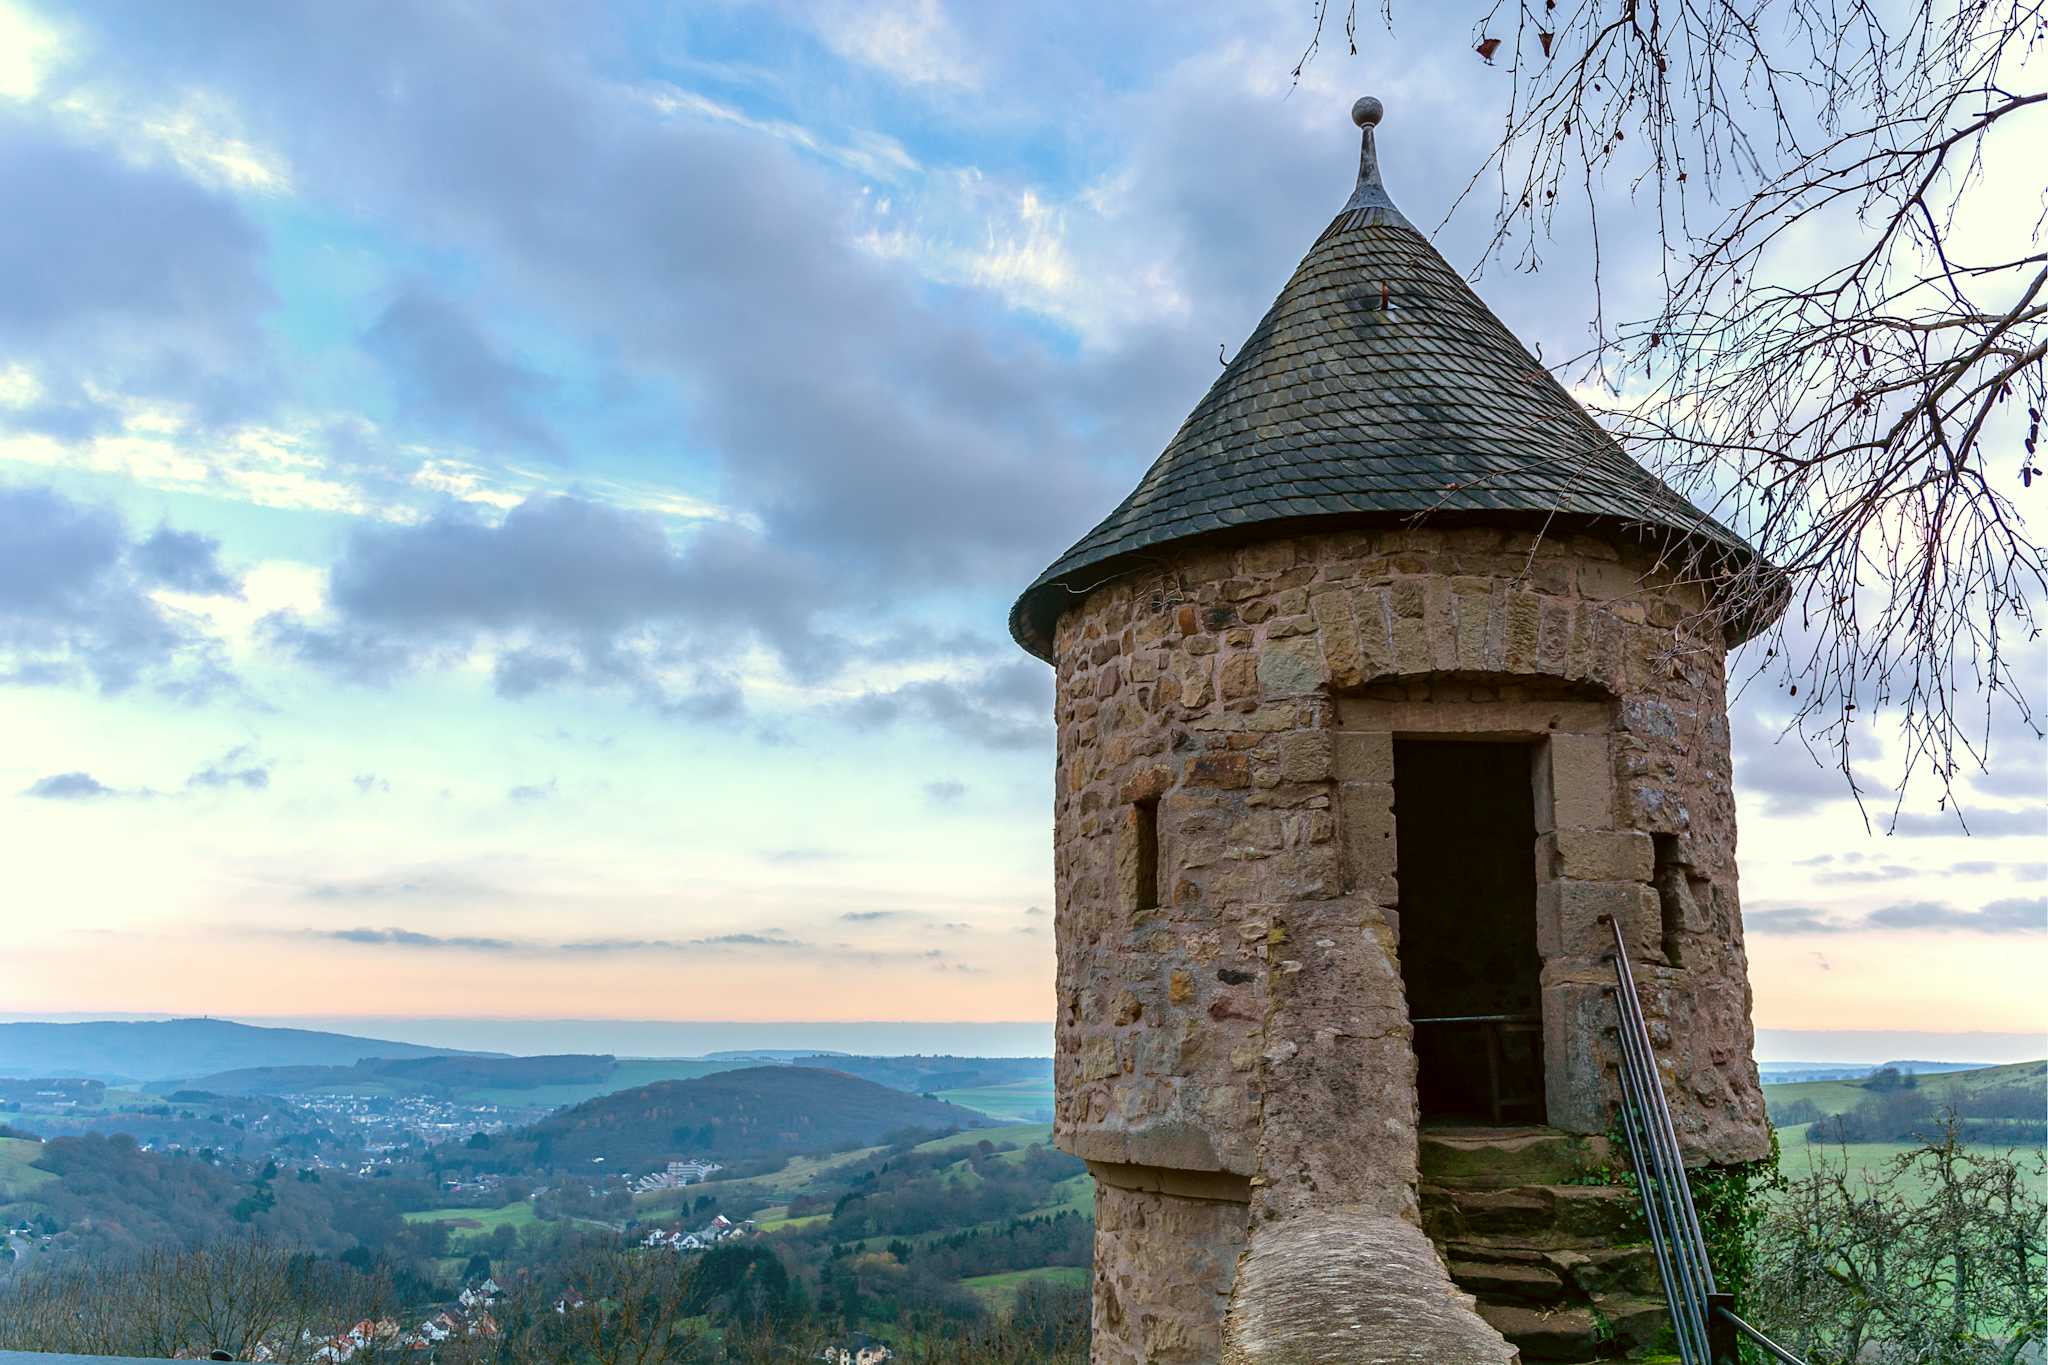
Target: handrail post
<point>1723,1343</point>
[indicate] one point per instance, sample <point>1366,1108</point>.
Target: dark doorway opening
<point>1465,830</point>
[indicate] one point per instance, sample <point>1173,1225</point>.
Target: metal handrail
<point>1702,1318</point>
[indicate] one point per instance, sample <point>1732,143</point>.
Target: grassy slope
<point>1797,1158</point>
<point>999,1291</point>
<point>469,1223</point>
<point>1836,1097</point>
<point>1020,1100</point>
<point>18,1178</point>
<point>1023,1134</point>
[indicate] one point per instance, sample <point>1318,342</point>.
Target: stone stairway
<point>1559,1264</point>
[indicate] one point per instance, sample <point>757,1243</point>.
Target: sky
<point>509,509</point>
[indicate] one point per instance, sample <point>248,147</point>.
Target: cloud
<point>413,938</point>
<point>1999,917</point>
<point>912,41</point>
<point>1982,823</point>
<point>184,561</point>
<point>1792,779</point>
<point>946,792</point>
<point>124,277</point>
<point>531,792</point>
<point>425,885</point>
<point>408,938</point>
<point>566,591</point>
<point>1008,706</point>
<point>1890,872</point>
<point>232,769</point>
<point>369,784</point>
<point>68,787</point>
<point>1790,921</point>
<point>872,916</point>
<point>790,857</point>
<point>74,605</point>
<point>448,372</point>
<point>2019,915</point>
<point>884,426</point>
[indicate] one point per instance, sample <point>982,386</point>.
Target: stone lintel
<point>1221,1186</point>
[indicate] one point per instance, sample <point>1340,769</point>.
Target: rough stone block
<point>1229,771</point>
<point>1575,784</point>
<point>1307,756</point>
<point>1368,823</point>
<point>1292,667</point>
<point>1545,1334</point>
<point>1578,1047</point>
<point>1364,756</point>
<point>1568,915</point>
<point>1508,1280</point>
<point>1597,855</point>
<point>1239,677</point>
<point>1411,646</point>
<point>1373,617</point>
<point>1522,647</point>
<point>1340,638</point>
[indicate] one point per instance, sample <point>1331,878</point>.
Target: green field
<point>17,1177</point>
<point>1000,1291</point>
<point>1838,1097</point>
<point>1022,1134</point>
<point>1023,1101</point>
<point>776,1218</point>
<point>466,1223</point>
<point>625,1076</point>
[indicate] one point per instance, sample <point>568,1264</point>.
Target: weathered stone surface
<point>1597,855</point>
<point>1351,1288</point>
<point>1163,1271</point>
<point>1494,1157</point>
<point>1253,1023</point>
<point>1545,1333</point>
<point>1496,1280</point>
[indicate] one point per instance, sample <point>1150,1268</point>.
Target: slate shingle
<point>1378,386</point>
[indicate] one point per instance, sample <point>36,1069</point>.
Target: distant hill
<point>169,1049</point>
<point>1840,1096</point>
<point>922,1075</point>
<point>406,1075</point>
<point>752,1113</point>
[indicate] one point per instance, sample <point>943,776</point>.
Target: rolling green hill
<point>746,1114</point>
<point>1838,1097</point>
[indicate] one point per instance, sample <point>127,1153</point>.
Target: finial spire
<point>1370,194</point>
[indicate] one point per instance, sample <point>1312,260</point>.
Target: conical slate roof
<point>1378,386</point>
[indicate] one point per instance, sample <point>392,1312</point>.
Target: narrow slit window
<point>1144,853</point>
<point>1673,895</point>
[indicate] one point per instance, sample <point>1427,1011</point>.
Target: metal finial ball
<point>1367,112</point>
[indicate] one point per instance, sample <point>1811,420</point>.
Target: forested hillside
<point>752,1113</point>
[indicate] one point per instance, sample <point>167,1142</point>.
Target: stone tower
<point>1390,682</point>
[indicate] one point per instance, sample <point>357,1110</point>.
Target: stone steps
<point>1555,1259</point>
<point>1615,1328</point>
<point>1489,1158</point>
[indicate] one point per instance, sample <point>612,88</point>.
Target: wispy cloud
<point>2009,916</point>
<point>68,787</point>
<point>409,938</point>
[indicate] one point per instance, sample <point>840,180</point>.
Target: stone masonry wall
<point>1163,1271</point>
<point>1242,701</point>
